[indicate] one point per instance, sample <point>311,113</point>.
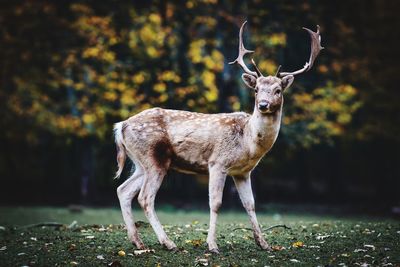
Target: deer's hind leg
<point>126,192</point>
<point>156,167</point>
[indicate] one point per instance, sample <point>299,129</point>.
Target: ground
<point>98,238</point>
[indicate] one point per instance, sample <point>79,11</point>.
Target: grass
<point>99,237</point>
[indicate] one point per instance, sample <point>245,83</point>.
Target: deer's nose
<point>263,105</point>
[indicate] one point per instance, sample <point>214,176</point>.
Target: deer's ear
<point>287,81</point>
<point>249,80</point>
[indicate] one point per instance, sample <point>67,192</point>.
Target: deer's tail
<point>121,151</point>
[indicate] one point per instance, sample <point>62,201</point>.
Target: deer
<point>217,145</point>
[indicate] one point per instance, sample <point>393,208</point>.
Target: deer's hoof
<point>214,251</point>
<point>139,244</point>
<point>170,246</point>
<point>265,247</point>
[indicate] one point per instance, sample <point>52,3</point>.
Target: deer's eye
<point>278,92</point>
<point>256,90</point>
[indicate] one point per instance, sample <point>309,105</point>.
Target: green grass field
<point>99,239</point>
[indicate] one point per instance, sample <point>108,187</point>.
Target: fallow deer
<point>216,144</point>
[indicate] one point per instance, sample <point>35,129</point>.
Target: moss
<point>94,242</point>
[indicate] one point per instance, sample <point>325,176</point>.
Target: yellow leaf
<point>152,51</point>
<point>128,98</point>
<point>155,18</point>
<point>121,253</point>
<point>298,244</point>
<point>109,56</point>
<point>163,98</point>
<point>160,87</point>
<point>88,118</point>
<point>195,242</point>
<point>138,78</point>
<point>268,66</point>
<point>278,39</point>
<point>236,106</point>
<point>111,96</point>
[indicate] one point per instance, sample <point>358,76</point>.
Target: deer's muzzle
<point>263,105</point>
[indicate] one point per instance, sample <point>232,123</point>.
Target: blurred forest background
<point>70,69</point>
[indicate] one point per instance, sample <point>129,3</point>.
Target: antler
<point>315,49</point>
<point>243,51</point>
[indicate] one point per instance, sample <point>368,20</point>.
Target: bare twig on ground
<point>267,229</point>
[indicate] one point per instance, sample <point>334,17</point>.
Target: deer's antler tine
<point>256,68</point>
<point>315,50</point>
<point>243,51</point>
<point>277,71</point>
<point>315,45</point>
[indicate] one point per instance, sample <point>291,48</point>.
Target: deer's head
<point>268,90</point>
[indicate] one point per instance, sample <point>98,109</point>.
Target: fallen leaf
<point>72,247</point>
<point>200,261</point>
<point>121,253</point>
<point>73,263</point>
<point>21,253</point>
<point>360,250</point>
<point>100,257</point>
<point>2,228</point>
<point>370,246</point>
<point>322,237</point>
<point>298,244</point>
<point>195,242</point>
<point>277,248</point>
<point>143,251</point>
<point>3,248</point>
<point>294,260</point>
<point>90,236</point>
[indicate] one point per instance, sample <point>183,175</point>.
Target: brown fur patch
<point>162,152</point>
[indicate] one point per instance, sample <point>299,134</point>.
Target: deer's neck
<point>262,131</point>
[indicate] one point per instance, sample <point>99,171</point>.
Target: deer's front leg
<point>216,188</point>
<point>243,185</point>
